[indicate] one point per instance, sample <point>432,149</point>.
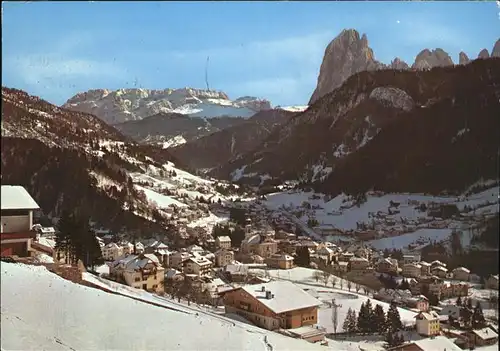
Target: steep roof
<point>437,343</point>
<point>287,296</point>
<point>15,197</point>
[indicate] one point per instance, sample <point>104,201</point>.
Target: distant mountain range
<point>124,105</point>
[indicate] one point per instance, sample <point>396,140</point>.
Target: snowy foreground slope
<point>41,311</point>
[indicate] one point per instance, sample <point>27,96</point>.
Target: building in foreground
<point>276,305</point>
<point>17,231</point>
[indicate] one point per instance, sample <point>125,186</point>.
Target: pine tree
<point>345,325</point>
<point>65,226</point>
<point>394,319</point>
<point>364,318</point>
<point>353,325</point>
<point>478,320</point>
<point>379,320</point>
<point>370,315</point>
<point>350,324</point>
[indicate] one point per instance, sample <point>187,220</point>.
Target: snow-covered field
<point>332,213</point>
<point>65,316</point>
<point>341,213</point>
<point>160,200</point>
<point>422,236</point>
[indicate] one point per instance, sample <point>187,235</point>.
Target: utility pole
<point>335,316</point>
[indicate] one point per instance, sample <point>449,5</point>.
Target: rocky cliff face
<point>346,55</point>
<point>349,53</point>
<point>423,128</point>
<point>436,58</point>
<point>397,63</point>
<point>483,54</point>
<point>496,49</point>
<point>463,59</point>
<point>123,105</point>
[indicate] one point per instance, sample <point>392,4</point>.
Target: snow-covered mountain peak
<point>117,106</point>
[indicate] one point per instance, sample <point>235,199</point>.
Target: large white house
<point>17,221</point>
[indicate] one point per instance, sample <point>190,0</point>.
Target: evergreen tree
<point>370,316</point>
<point>459,301</point>
<point>364,319</point>
<point>394,323</point>
<point>379,320</point>
<point>466,315</point>
<point>478,320</point>
<point>350,324</point>
<point>64,229</point>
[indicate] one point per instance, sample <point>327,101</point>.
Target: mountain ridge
<point>349,53</point>
<point>122,105</point>
<point>313,143</point>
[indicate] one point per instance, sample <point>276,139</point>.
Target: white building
<point>223,242</point>
<point>111,252</point>
<point>16,221</point>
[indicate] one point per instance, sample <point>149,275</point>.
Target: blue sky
<point>265,49</point>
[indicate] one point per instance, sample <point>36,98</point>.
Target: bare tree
<point>349,285</point>
<point>357,287</point>
<point>334,280</point>
<point>326,278</point>
<point>317,275</point>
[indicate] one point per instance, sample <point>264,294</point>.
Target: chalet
<point>483,337</point>
<point>437,343</point>
<point>440,271</point>
<point>387,265</point>
<point>325,253</point>
<point>223,257</point>
<point>420,302</point>
<point>139,271</point>
<point>492,282</point>
<point>177,259</point>
<point>223,242</point>
<point>280,261</point>
<point>198,265</point>
<point>437,263</point>
<point>111,251</point>
<point>274,305</point>
<point>412,270</point>
<point>461,273</point>
<point>411,259</point>
<point>426,268</point>
<point>17,221</point>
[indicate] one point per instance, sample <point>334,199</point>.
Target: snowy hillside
<point>66,316</point>
<point>391,216</point>
<point>134,104</point>
<point>297,108</point>
<point>122,179</point>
